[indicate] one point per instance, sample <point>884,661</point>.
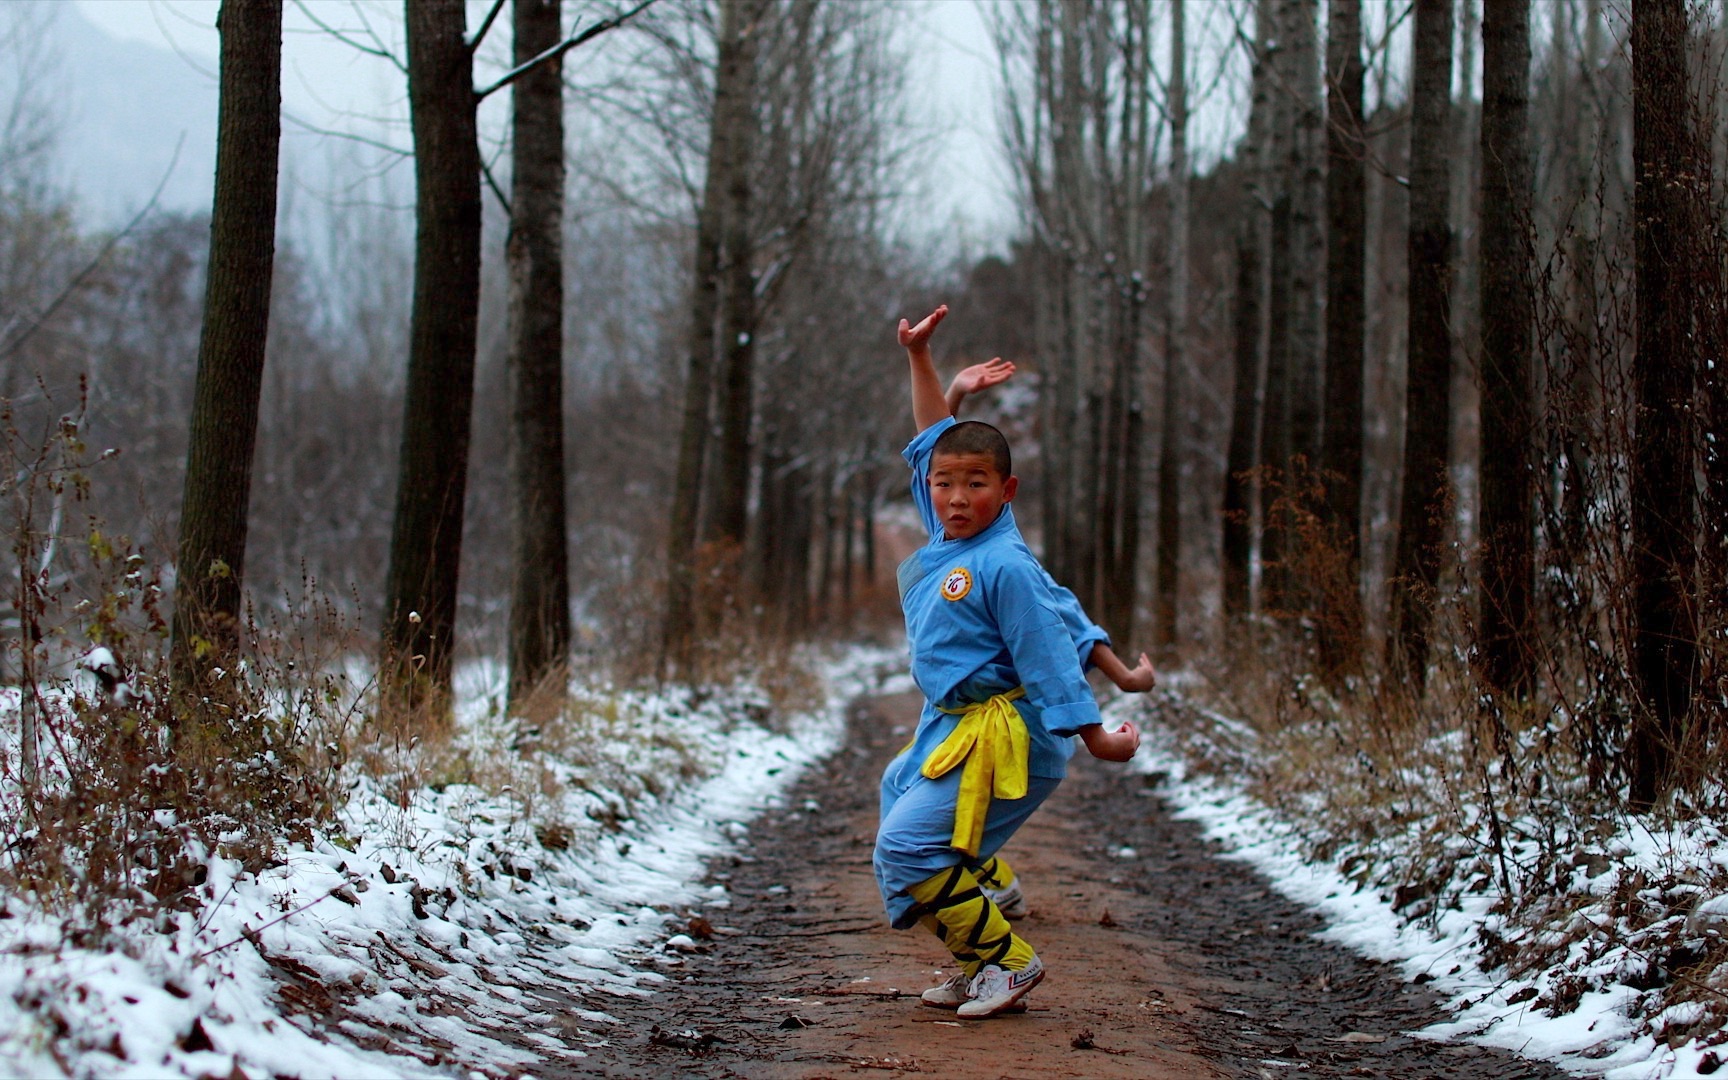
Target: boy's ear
<point>1009,487</point>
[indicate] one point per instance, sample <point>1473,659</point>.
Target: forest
<point>1369,379</point>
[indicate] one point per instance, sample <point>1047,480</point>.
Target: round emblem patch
<point>957,584</point>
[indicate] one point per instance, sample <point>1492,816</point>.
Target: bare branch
<point>485,25</point>
<point>375,49</point>
<point>7,348</point>
<point>350,136</point>
<point>563,47</point>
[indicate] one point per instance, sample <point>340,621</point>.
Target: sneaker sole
<point>1012,1004</point>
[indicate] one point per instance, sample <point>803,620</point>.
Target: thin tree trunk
<point>687,486</point>
<point>212,548</point>
<point>1238,485</point>
<point>426,537</point>
<point>1508,320</point>
<point>540,576</point>
<point>1340,623</point>
<point>731,484</point>
<point>1176,348</point>
<point>1664,518</point>
<point>1424,500</point>
<point>1307,190</point>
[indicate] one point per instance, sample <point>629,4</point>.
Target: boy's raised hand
<point>918,337</point>
<point>982,376</point>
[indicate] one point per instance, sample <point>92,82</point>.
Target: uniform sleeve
<point>1082,630</point>
<point>917,455</point>
<point>1042,651</point>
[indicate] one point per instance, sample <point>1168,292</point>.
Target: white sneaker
<point>997,990</point>
<point>951,994</point>
<point>1011,902</point>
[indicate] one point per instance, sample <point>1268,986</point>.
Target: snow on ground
<point>423,910</point>
<point>1598,1038</point>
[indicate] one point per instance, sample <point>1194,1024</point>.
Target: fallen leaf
<point>1106,919</point>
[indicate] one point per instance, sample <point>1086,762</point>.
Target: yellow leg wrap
<point>993,873</point>
<point>968,923</point>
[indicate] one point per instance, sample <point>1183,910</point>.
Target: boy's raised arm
<point>929,405</point>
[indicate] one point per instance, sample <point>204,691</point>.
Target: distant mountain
<point>131,104</point>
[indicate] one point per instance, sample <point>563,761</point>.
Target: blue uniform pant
<point>914,838</point>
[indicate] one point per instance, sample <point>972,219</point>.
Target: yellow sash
<point>991,742</point>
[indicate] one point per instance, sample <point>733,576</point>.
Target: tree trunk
<point>1275,442</point>
<point>1340,622</point>
<point>212,549</point>
<point>1307,189</point>
<point>687,486</point>
<point>426,536</point>
<point>1175,352</point>
<point>731,483</point>
<point>1424,499</point>
<point>1250,324</point>
<point>1238,485</point>
<point>1664,520</point>
<point>540,576</point>
<point>1508,319</point>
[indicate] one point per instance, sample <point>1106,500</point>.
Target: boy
<point>1003,689</point>
<point>1091,643</point>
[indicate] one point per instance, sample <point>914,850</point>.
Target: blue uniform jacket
<point>982,617</point>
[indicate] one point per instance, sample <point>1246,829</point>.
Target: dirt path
<point>1171,963</point>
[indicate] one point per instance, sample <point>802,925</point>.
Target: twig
<point>561,48</point>
<point>252,931</point>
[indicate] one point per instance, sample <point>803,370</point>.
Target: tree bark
<point>1508,319</point>
<point>1307,190</point>
<point>1238,485</point>
<point>1175,352</point>
<point>687,487</point>
<point>212,547</point>
<point>426,536</point>
<point>1425,497</point>
<point>731,484</point>
<point>1340,622</point>
<point>1664,518</point>
<point>540,578</point>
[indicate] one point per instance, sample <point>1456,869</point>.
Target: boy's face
<point>968,493</point>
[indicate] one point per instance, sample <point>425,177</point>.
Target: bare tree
<point>1508,323</point>
<point>212,548</point>
<point>1340,622</point>
<point>1425,495</point>
<point>426,539</point>
<point>540,576</point>
<point>738,308</point>
<point>1249,328</point>
<point>1176,337</point>
<point>730,113</point>
<point>1664,515</point>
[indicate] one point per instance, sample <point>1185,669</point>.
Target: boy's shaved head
<point>976,437</point>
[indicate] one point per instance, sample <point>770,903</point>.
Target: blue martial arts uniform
<point>982,617</point>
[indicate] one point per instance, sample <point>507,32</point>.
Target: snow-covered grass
<point>1555,927</point>
<point>432,914</point>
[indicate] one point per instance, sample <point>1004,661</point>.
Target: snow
<point>443,911</point>
<point>1598,1038</point>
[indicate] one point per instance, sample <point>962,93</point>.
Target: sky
<point>329,85</point>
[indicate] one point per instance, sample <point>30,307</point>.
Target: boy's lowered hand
<point>1118,745</point>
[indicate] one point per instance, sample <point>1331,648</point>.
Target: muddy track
<point>1170,963</point>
